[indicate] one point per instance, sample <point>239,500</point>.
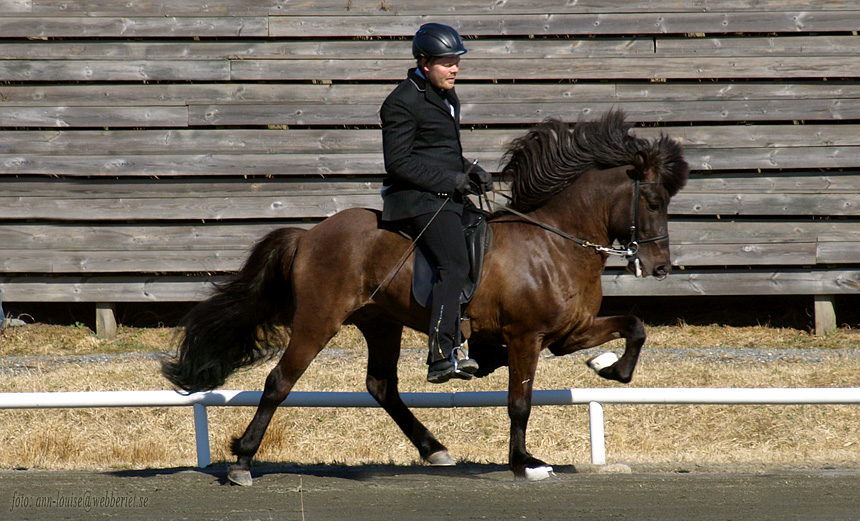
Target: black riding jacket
<point>423,155</point>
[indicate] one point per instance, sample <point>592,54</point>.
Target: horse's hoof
<point>602,361</point>
<point>240,477</point>
<point>441,459</point>
<point>539,473</point>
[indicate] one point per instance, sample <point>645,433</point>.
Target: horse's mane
<point>552,155</point>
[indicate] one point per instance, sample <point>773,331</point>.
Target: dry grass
<point>163,437</point>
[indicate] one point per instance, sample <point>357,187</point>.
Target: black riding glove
<point>480,181</point>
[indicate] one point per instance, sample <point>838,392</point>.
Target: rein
<point>629,251</point>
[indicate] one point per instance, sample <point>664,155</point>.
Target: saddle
<point>479,238</point>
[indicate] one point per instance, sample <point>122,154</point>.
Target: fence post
<point>598,441</point>
<point>201,435</point>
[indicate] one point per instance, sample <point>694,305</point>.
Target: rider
<point>427,180</point>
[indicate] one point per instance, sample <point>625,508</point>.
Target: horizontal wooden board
<point>562,47</point>
<point>140,288</point>
<point>313,7</point>
<point>644,67</point>
<point>572,24</point>
<point>153,94</point>
<point>687,203</point>
<point>649,67</point>
<point>798,281</point>
<point>114,70</point>
<point>112,26</point>
<point>337,141</point>
<point>820,45</point>
<point>308,114</point>
<point>238,236</point>
<point>185,260</point>
<point>99,117</point>
<point>326,164</point>
<point>306,48</point>
<point>189,288</point>
<point>16,6</point>
<point>525,113</point>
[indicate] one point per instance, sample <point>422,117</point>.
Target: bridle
<point>629,251</point>
<point>635,241</point>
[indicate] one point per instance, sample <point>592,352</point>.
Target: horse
<point>575,191</point>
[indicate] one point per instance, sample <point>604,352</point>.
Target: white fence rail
<point>593,397</point>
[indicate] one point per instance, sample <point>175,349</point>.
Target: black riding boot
<point>445,360</point>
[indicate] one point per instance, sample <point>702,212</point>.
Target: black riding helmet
<point>436,40</point>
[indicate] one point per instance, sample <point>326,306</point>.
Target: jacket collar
<point>431,94</point>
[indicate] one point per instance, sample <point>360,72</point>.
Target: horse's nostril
<point>662,271</point>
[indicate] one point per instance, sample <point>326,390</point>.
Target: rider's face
<point>442,72</point>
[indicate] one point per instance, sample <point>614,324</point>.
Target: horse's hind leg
<point>305,344</point>
<point>383,342</point>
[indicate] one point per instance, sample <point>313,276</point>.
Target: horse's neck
<point>582,209</point>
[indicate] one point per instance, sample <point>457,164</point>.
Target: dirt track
<point>413,493</point>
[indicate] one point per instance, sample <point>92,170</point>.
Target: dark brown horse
<point>594,183</point>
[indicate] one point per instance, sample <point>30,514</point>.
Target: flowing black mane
<point>552,155</point>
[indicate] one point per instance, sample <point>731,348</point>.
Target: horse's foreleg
<point>604,330</point>
<point>522,360</point>
<point>383,341</point>
<point>300,352</point>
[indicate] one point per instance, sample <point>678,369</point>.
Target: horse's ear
<point>640,163</point>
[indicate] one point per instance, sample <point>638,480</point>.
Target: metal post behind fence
<point>201,435</point>
<point>598,441</point>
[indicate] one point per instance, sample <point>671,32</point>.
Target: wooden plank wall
<point>145,146</point>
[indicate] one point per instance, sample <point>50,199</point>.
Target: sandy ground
<point>421,493</point>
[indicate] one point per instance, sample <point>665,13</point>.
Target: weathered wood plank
<point>782,182</point>
<point>121,261</point>
<point>566,93</point>
<point>335,141</point>
<point>140,288</point>
<point>789,281</point>
<point>233,207</point>
<point>179,141</point>
<point>291,164</point>
<point>16,6</point>
<point>67,116</point>
<point>525,113</point>
<point>114,70</point>
<point>12,26</point>
<point>323,49</point>
<point>772,158</point>
<point>687,203</point>
<point>474,113</point>
<point>112,236</point>
<point>837,252</point>
<point>746,254</point>
<point>194,165</point>
<point>164,258</point>
<point>341,7</point>
<point>570,24</point>
<point>186,288</point>
<point>822,45</point>
<point>647,67</point>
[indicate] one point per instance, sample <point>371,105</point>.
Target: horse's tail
<point>243,322</point>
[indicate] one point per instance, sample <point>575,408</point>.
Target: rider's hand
<point>481,181</point>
